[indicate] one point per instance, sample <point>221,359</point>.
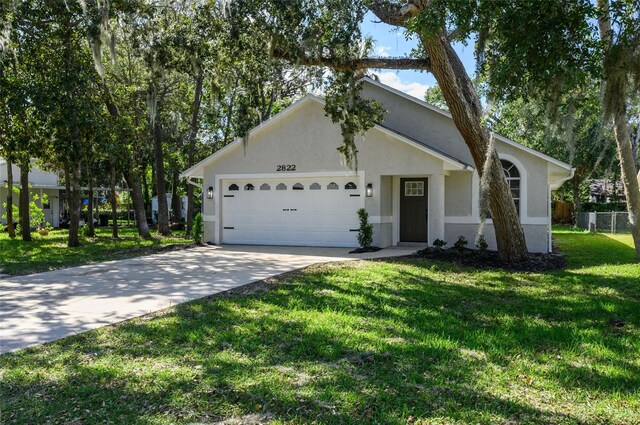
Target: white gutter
<point>193,183</point>
<point>555,184</point>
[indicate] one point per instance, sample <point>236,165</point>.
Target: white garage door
<point>291,211</point>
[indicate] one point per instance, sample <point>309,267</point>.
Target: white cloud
<point>382,51</point>
<point>412,88</point>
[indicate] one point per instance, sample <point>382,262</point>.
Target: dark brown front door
<point>413,210</point>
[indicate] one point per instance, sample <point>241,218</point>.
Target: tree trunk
<point>629,173</point>
<point>114,203</point>
<point>464,105</point>
<point>91,229</point>
<point>25,222</point>
<point>635,141</point>
<point>163,208</point>
<point>133,181</point>
<point>10,227</point>
<point>176,202</point>
<point>73,199</point>
<point>575,189</point>
<point>146,202</point>
<point>193,133</point>
<point>616,89</point>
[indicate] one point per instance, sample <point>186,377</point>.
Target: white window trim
<point>524,212</point>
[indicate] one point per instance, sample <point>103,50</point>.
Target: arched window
<point>298,186</point>
<point>265,186</point>
<point>512,174</point>
<point>315,186</point>
<point>350,186</point>
<point>249,186</point>
<point>281,186</point>
<point>234,187</point>
<point>333,186</point>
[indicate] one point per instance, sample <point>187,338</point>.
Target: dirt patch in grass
<point>537,262</point>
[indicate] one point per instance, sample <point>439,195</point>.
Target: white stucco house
<point>42,182</point>
<point>289,186</point>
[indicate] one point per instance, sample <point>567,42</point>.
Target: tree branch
<point>355,64</point>
<point>395,14</point>
<point>453,34</point>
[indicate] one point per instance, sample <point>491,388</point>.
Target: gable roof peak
<point>448,115</point>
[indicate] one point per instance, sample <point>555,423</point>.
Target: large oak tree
<point>327,33</point>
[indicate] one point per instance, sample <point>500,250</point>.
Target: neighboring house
<point>42,182</point>
<point>415,177</point>
<point>154,206</point>
<point>605,190</point>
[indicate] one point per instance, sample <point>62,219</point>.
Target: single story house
<point>288,184</point>
<point>47,183</point>
<point>42,183</point>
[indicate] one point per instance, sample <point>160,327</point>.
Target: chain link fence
<point>605,222</point>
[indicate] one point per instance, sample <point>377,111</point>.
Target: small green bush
<point>197,230</point>
<point>439,244</point>
<point>365,231</point>
<point>461,244</point>
<point>36,213</point>
<point>481,244</point>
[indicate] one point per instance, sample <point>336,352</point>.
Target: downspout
<point>192,182</point>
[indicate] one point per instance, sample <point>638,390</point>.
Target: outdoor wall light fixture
<point>210,193</point>
<point>369,190</point>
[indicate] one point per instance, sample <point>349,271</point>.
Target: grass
<point>51,252</point>
<point>369,342</point>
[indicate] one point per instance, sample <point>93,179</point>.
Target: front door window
<point>414,188</point>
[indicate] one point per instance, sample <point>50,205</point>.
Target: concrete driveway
<point>43,307</point>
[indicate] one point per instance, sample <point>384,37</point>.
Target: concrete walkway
<point>43,307</point>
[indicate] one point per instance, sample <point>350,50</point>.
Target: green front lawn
<point>368,342</point>
<point>51,252</point>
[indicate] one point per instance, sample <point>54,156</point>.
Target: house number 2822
<point>288,167</point>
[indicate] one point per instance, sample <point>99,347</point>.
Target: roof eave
<point>454,163</point>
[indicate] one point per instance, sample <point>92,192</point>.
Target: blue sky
<point>391,42</point>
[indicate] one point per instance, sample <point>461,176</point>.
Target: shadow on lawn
<point>371,351</point>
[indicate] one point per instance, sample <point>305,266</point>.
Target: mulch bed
<point>537,262</point>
